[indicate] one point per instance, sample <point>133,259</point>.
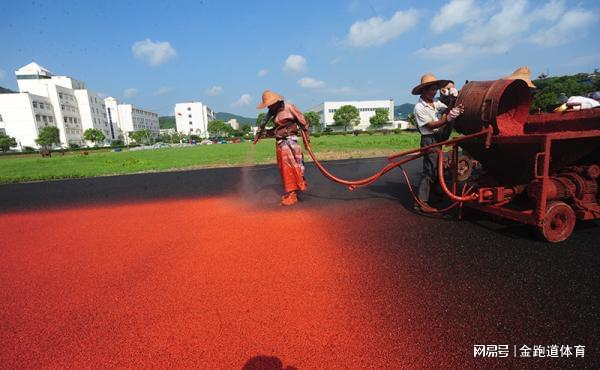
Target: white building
<point>234,124</point>
<point>126,118</point>
<point>37,80</point>
<point>93,114</point>
<point>193,118</point>
<point>23,115</point>
<point>74,108</point>
<point>366,110</point>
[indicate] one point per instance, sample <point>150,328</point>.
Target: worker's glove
<point>454,113</point>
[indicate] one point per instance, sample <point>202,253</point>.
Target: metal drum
<point>503,104</point>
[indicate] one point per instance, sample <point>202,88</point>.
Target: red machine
<point>540,169</point>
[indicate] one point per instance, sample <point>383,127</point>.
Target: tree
<point>144,136</point>
<point>246,128</point>
<point>7,142</point>
<point>346,116</point>
<point>412,120</point>
<point>313,120</point>
<point>260,118</point>
<point>380,118</point>
<point>48,136</point>
<point>219,128</point>
<point>94,135</point>
<point>550,88</point>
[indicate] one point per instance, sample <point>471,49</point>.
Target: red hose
<point>353,184</point>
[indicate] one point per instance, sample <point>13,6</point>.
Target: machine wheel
<point>464,168</point>
<point>558,222</point>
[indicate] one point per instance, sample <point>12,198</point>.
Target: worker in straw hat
<point>432,116</point>
<point>288,120</point>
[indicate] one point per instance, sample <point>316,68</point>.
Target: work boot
<point>289,199</point>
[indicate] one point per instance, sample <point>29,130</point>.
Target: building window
<point>45,119</point>
<point>62,107</point>
<point>75,120</point>
<point>35,104</point>
<point>0,118</point>
<point>190,122</point>
<point>189,108</point>
<point>60,95</point>
<point>189,116</point>
<point>65,119</point>
<point>70,119</point>
<point>37,118</point>
<point>50,119</point>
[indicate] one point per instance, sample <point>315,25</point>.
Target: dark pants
<point>428,175</point>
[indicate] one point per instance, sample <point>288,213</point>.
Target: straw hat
<point>561,108</point>
<point>521,73</point>
<point>429,80</point>
<point>269,98</point>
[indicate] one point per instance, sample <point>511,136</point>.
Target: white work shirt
<point>424,114</point>
<point>585,103</point>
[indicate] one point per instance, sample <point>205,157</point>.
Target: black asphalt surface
<point>480,281</point>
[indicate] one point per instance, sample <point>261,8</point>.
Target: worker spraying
<point>288,120</point>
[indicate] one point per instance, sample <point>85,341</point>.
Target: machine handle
<point>486,110</point>
<point>536,165</point>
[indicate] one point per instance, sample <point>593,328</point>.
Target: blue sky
<point>225,53</point>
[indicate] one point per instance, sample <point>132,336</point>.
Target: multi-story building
<point>366,110</point>
<point>193,118</point>
<point>128,118</point>
<point>35,79</point>
<point>93,114</point>
<point>23,115</point>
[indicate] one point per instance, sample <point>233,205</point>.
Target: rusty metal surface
<point>503,104</point>
<point>555,156</point>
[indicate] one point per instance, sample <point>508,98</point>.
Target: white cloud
<point>101,95</point>
<point>164,90</point>
<point>562,31</point>
<point>500,27</point>
<point>153,53</point>
<point>377,31</point>
<point>454,13</point>
<point>335,60</point>
<point>130,92</point>
<point>2,74</point>
<point>310,83</point>
<point>294,64</point>
<point>245,99</point>
<point>263,72</point>
<point>214,91</point>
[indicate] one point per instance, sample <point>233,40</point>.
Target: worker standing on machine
<point>431,117</point>
<point>288,121</point>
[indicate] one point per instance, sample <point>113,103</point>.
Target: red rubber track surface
<point>208,283</point>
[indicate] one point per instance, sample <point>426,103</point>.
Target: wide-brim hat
<point>269,98</point>
<point>428,80</point>
<point>560,108</point>
<point>521,73</point>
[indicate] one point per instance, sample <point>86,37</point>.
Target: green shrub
<point>116,143</point>
<point>74,146</point>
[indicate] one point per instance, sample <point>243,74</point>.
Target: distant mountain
<point>224,116</point>
<point>166,122</point>
<point>6,91</point>
<point>402,111</point>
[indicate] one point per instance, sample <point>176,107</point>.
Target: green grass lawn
<point>77,165</point>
